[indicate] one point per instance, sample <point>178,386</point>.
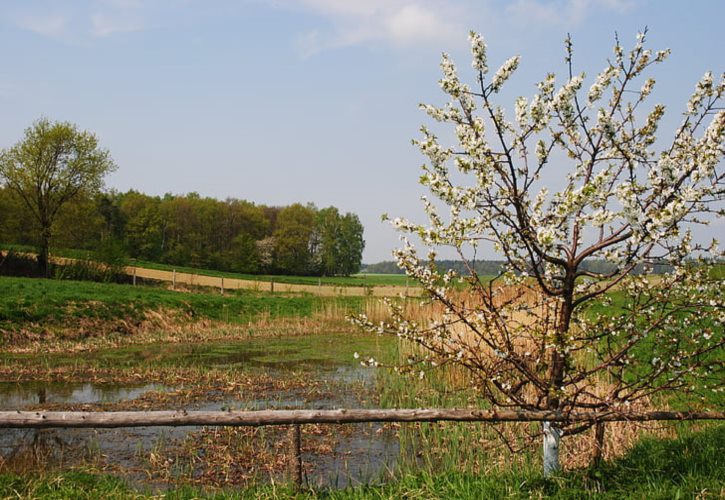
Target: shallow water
<point>362,454</point>
<point>15,396</point>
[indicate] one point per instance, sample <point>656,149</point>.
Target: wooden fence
<point>222,283</point>
<point>296,418</point>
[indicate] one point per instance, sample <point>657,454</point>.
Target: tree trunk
<point>552,437</point>
<point>44,254</point>
<point>552,431</point>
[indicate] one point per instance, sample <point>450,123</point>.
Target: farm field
<point>250,350</point>
<point>359,280</point>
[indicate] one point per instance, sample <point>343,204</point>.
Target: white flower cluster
<point>504,73</point>
<point>562,102</point>
<point>450,83</point>
<point>478,51</point>
<point>603,81</point>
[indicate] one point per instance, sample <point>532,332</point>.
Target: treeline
<point>496,267</point>
<point>190,230</point>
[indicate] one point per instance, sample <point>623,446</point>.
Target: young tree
<point>53,164</point>
<point>547,335</point>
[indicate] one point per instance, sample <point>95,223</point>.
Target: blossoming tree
<point>550,334</point>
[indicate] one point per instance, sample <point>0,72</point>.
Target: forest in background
<point>190,230</point>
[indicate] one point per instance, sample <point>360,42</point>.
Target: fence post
<point>222,285</point>
<point>598,443</point>
<point>271,286</point>
<point>173,280</point>
<point>134,276</point>
<point>295,455</point>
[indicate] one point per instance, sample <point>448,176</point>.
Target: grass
<point>684,467</point>
<point>27,301</point>
<point>688,466</point>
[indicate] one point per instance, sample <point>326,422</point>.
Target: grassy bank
<point>689,466</point>
<point>36,309</point>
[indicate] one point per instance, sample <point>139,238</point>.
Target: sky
<point>283,101</point>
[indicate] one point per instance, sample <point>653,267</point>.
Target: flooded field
<point>317,372</point>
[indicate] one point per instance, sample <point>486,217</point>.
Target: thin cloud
<point>105,24</point>
<point>359,22</point>
<point>50,26</point>
<point>74,21</point>
<point>563,12</point>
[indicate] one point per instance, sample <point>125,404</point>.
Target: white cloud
<point>413,23</point>
<point>51,26</point>
<point>357,22</point>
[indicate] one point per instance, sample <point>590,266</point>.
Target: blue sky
<point>278,101</point>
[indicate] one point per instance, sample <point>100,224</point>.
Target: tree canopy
<point>190,230</point>
<point>54,163</point>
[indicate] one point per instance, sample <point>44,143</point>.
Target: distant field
<point>354,280</point>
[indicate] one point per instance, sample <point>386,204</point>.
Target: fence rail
<point>296,418</point>
<point>56,419</point>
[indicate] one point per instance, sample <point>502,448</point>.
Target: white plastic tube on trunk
<point>552,437</point>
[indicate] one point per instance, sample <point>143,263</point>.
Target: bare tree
<point>549,334</point>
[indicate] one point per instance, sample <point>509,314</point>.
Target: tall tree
<point>351,244</point>
<point>327,241</point>
<point>337,243</point>
<point>49,167</point>
<point>292,237</point>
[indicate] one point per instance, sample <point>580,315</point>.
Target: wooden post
<point>173,280</point>
<point>222,285</point>
<point>134,276</point>
<point>598,443</point>
<point>295,455</point>
<point>271,286</point>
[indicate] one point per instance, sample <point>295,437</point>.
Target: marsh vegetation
<point>196,350</point>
